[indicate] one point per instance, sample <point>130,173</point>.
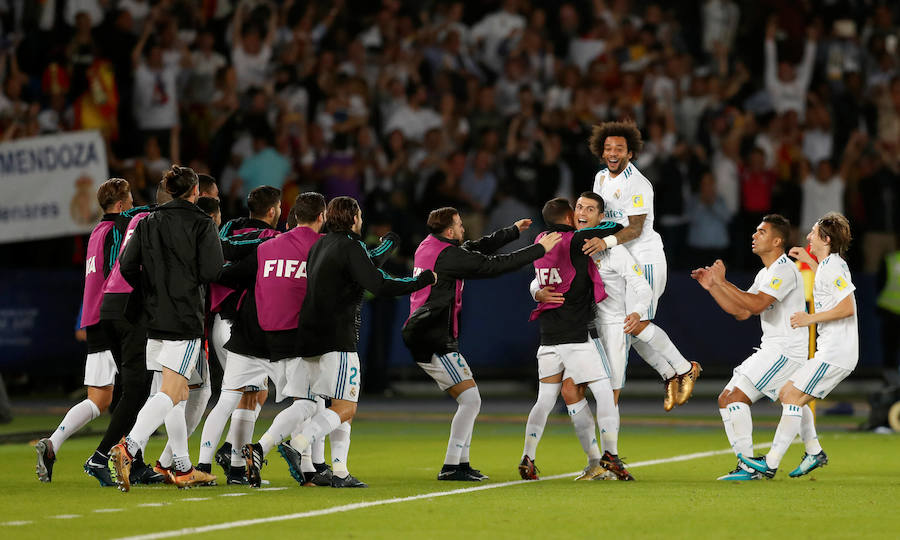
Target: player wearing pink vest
<point>114,197</point>
<point>432,331</point>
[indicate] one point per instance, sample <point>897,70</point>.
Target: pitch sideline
<point>369,504</point>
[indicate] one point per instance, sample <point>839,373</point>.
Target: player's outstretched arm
<point>467,264</point>
<point>844,309</point>
<point>629,233</point>
<point>754,302</point>
<point>382,252</point>
<point>489,244</point>
<point>379,282</point>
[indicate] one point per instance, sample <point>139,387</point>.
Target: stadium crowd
<point>745,107</point>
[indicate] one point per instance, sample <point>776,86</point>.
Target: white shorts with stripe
<point>297,383</point>
<point>818,377</point>
<point>180,356</point>
<point>764,373</point>
<point>579,361</point>
<point>613,348</point>
<point>334,375</point>
<point>656,275</point>
<point>447,369</point>
<point>253,373</point>
<point>100,369</point>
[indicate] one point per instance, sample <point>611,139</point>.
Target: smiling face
<point>616,154</point>
<point>587,213</point>
<point>820,247</point>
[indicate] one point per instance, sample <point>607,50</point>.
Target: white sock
<point>585,428</point>
<point>318,427</point>
<point>306,462</point>
<point>607,415</point>
<point>196,406</point>
<point>243,421</point>
<point>340,448</point>
<point>653,358</point>
<point>463,422</point>
<point>215,424</point>
<point>75,419</point>
<point>808,432</point>
<point>150,417</point>
<point>318,446</point>
<point>729,429</point>
<point>176,429</point>
<point>742,428</point>
<point>788,428</point>
<point>659,340</point>
<point>537,418</point>
<point>286,422</point>
<point>256,411</point>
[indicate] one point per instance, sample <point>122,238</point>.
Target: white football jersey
<point>619,271</point>
<point>631,194</point>
<point>840,338</point>
<point>782,281</point>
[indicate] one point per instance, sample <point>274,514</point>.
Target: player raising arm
<point>837,346</point>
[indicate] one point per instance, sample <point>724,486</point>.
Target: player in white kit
<point>837,346</point>
<point>776,294</point>
<point>628,198</point>
<point>618,269</point>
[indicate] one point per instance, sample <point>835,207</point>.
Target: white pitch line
<point>15,523</point>
<point>108,510</point>
<point>232,494</point>
<point>369,504</point>
<point>196,499</point>
<point>152,505</point>
<point>271,489</point>
<point>66,516</point>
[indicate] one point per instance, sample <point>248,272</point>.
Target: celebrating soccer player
<point>776,293</point>
<point>628,197</point>
<point>837,345</point>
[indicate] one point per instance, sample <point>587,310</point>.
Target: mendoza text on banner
<point>48,185</point>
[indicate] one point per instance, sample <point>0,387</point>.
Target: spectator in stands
<point>707,238</point>
<point>787,84</point>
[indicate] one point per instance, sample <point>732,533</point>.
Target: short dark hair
<point>594,197</point>
<point>556,210</point>
<point>209,205</point>
<point>781,226</point>
<point>180,181</point>
<point>834,226</point>
<point>340,213</point>
<point>441,219</point>
<point>306,209</point>
<point>206,182</point>
<point>261,199</point>
<point>627,130</point>
<point>112,191</point>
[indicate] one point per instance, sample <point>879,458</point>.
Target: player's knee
<point>724,398</point>
<point>571,392</point>
<point>101,398</point>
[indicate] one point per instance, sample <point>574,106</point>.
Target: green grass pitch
<point>856,495</point>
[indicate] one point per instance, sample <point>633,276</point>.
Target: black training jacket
<point>338,270</point>
<point>172,255</point>
<point>569,322</point>
<point>429,330</point>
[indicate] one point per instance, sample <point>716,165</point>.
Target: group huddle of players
<point>162,284</point>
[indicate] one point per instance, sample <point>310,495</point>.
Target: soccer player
<point>128,339</point>
<point>174,252</point>
<point>211,208</point>
<point>242,396</point>
<point>618,270</point>
<point>432,331</point>
<point>837,345</point>
<point>100,368</point>
<point>628,198</point>
<point>338,270</point>
<point>776,293</point>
